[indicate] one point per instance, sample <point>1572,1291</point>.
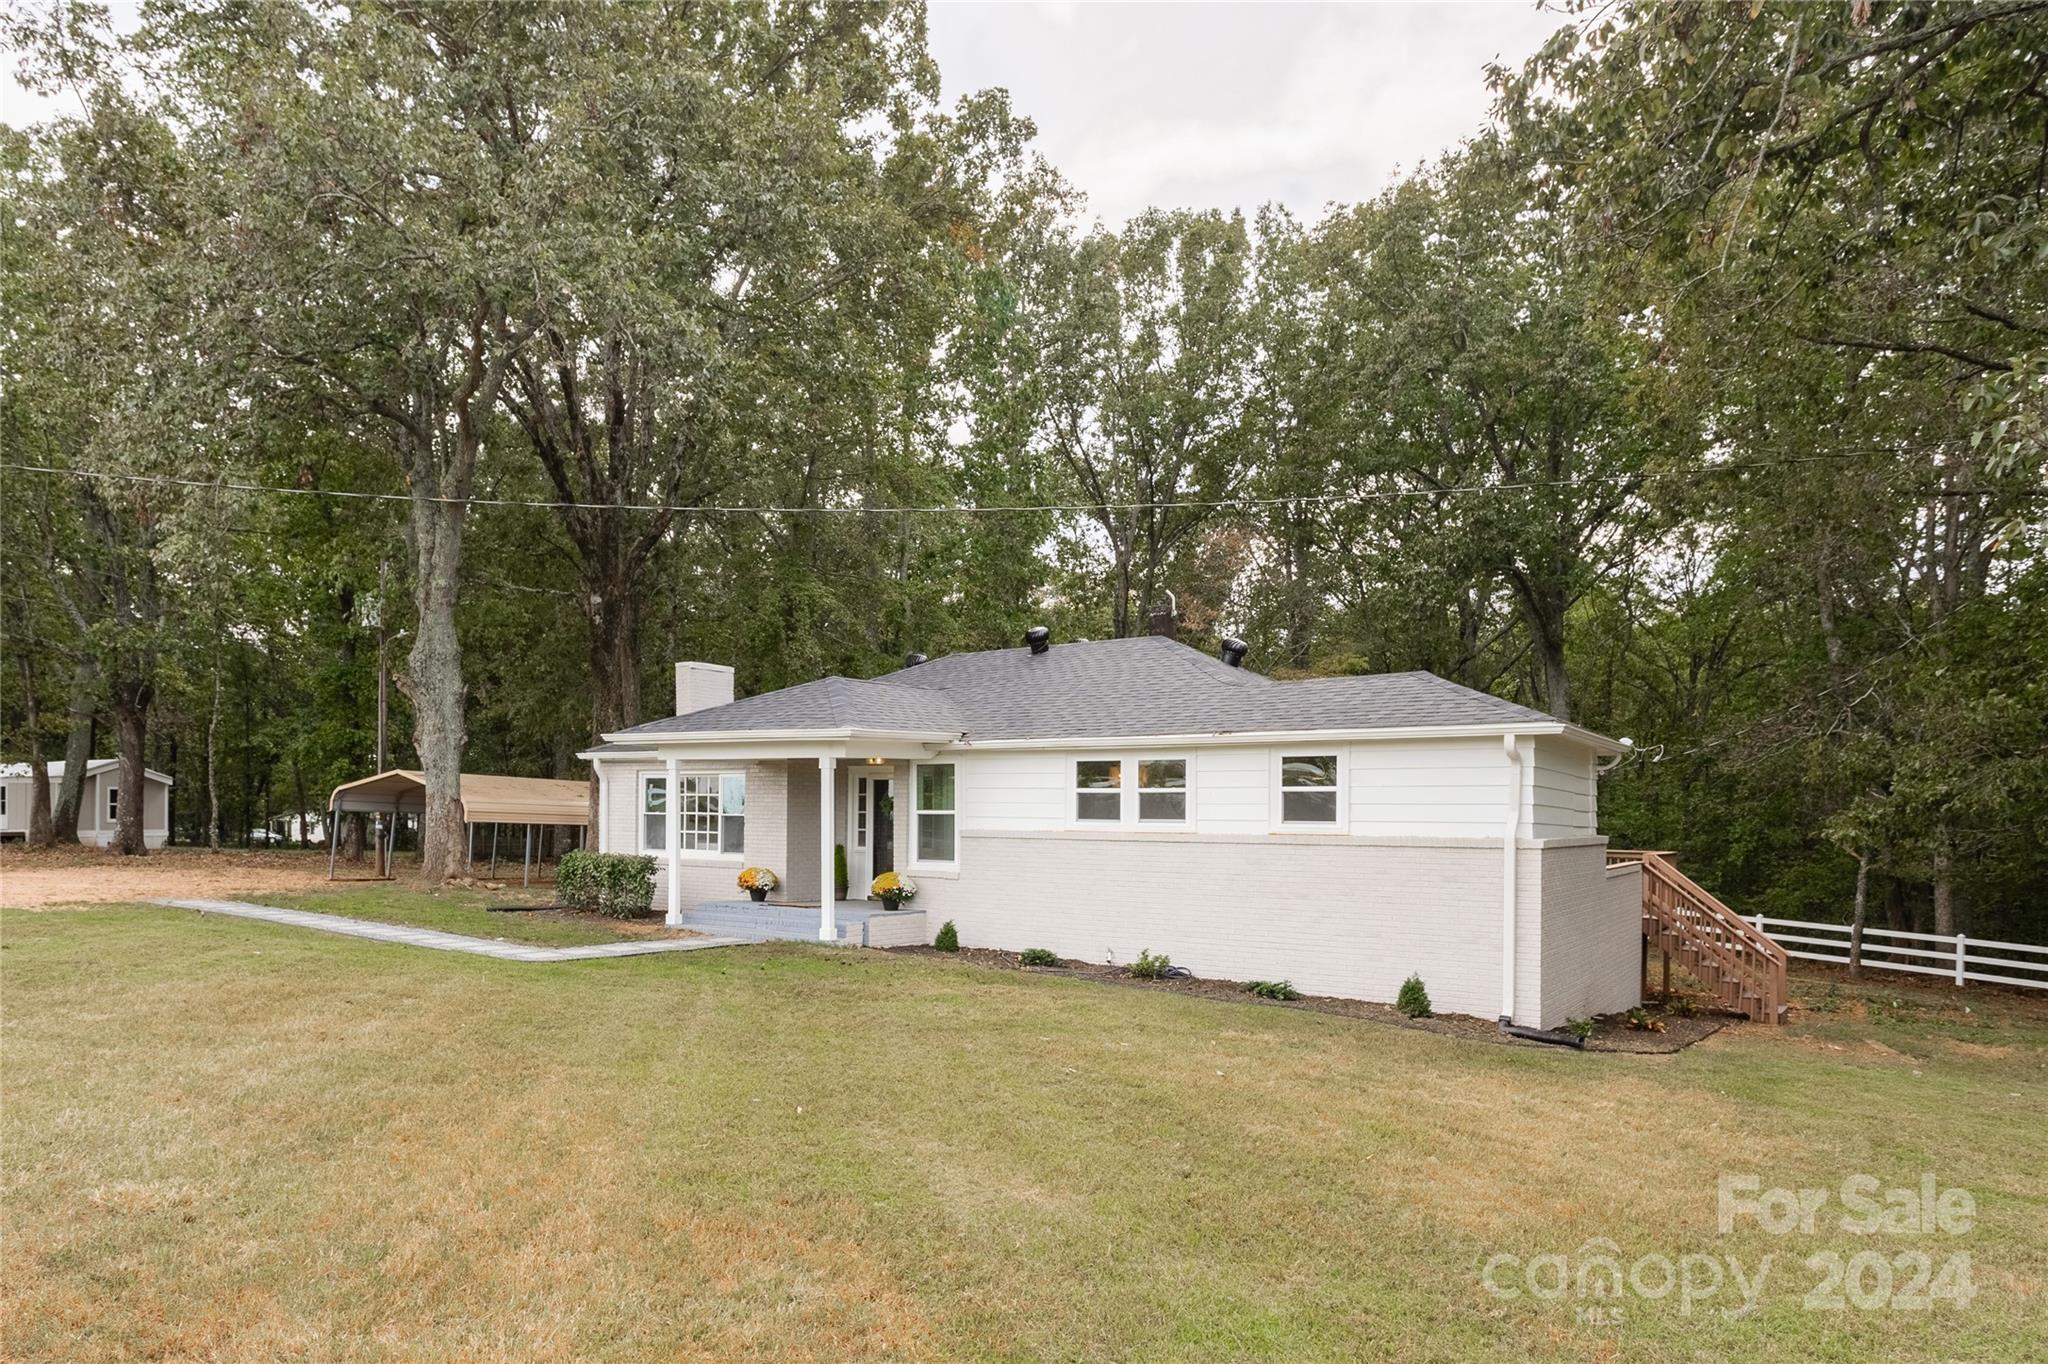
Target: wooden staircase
<point>1743,969</point>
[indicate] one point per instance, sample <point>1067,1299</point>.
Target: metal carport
<point>486,799</point>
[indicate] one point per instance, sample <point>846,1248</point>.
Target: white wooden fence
<point>1959,958</point>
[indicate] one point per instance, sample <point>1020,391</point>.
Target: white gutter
<point>650,739</point>
<point>1217,738</point>
<point>1510,833</point>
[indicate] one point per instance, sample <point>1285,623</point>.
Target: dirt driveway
<point>37,880</point>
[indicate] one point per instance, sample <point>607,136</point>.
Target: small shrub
<point>1273,989</point>
<point>1581,1028</point>
<point>617,885</point>
<point>1413,999</point>
<point>1037,956</point>
<point>1150,965</point>
<point>576,879</point>
<point>1639,1020</point>
<point>948,939</point>
<point>1681,1006</point>
<point>839,870</point>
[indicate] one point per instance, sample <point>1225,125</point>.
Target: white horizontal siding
<point>1454,788</point>
<point>1559,788</point>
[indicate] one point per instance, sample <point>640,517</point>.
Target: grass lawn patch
<point>460,910</point>
<point>235,1141</point>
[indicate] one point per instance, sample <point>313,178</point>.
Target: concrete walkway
<point>446,942</point>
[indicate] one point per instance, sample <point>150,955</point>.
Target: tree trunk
<point>77,752</point>
<point>1944,883</point>
<point>39,828</point>
<point>1543,608</point>
<point>1861,915</point>
<point>432,681</point>
<point>131,697</point>
<point>614,615</point>
<point>213,764</point>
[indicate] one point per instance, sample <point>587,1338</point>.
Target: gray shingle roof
<point>1095,689</point>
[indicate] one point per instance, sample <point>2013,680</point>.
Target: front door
<point>881,828</point>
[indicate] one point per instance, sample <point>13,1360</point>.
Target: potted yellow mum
<point>892,890</point>
<point>757,882</point>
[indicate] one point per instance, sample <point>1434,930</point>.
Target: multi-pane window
<point>654,814</point>
<point>937,836</point>
<point>1308,788</point>
<point>113,805</point>
<point>711,808</point>
<point>1098,790</point>
<point>1163,790</point>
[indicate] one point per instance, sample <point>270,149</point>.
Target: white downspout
<point>1512,830</point>
<point>828,881</point>
<point>672,838</point>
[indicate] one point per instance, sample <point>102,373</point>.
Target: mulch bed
<point>1610,1034</point>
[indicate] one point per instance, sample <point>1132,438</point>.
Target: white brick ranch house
<point>1106,797</point>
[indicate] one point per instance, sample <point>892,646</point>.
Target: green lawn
<point>454,910</point>
<point>228,1140</point>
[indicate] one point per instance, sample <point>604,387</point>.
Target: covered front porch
<point>795,805</point>
<point>855,923</point>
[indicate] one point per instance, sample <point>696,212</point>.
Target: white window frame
<point>3,800</point>
<point>113,806</point>
<point>1130,802</point>
<point>1342,823</point>
<point>1187,791</point>
<point>917,812</point>
<point>641,814</point>
<point>1076,791</point>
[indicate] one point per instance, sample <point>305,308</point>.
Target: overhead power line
<point>967,509</point>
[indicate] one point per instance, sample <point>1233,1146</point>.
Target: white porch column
<point>672,840</point>
<point>828,926</point>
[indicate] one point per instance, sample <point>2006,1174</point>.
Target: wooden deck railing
<point>1743,968</point>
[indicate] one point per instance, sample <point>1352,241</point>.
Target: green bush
<point>1273,989</point>
<point>618,885</point>
<point>576,879</point>
<point>1149,966</point>
<point>1037,956</point>
<point>948,939</point>
<point>1581,1028</point>
<point>1413,999</point>
<point>839,870</point>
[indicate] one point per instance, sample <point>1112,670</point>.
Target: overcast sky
<point>1235,105</point>
<point>1215,105</point>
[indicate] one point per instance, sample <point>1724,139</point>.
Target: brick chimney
<point>702,685</point>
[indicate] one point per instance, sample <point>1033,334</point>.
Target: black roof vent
<point>1039,638</point>
<point>912,660</point>
<point>1233,651</point>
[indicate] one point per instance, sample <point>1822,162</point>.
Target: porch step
<point>857,925</point>
<point>760,927</point>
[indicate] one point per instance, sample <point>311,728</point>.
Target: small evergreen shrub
<point>1037,956</point>
<point>617,885</point>
<point>576,879</point>
<point>1413,999</point>
<point>1150,966</point>
<point>948,939</point>
<point>839,870</point>
<point>1273,989</point>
